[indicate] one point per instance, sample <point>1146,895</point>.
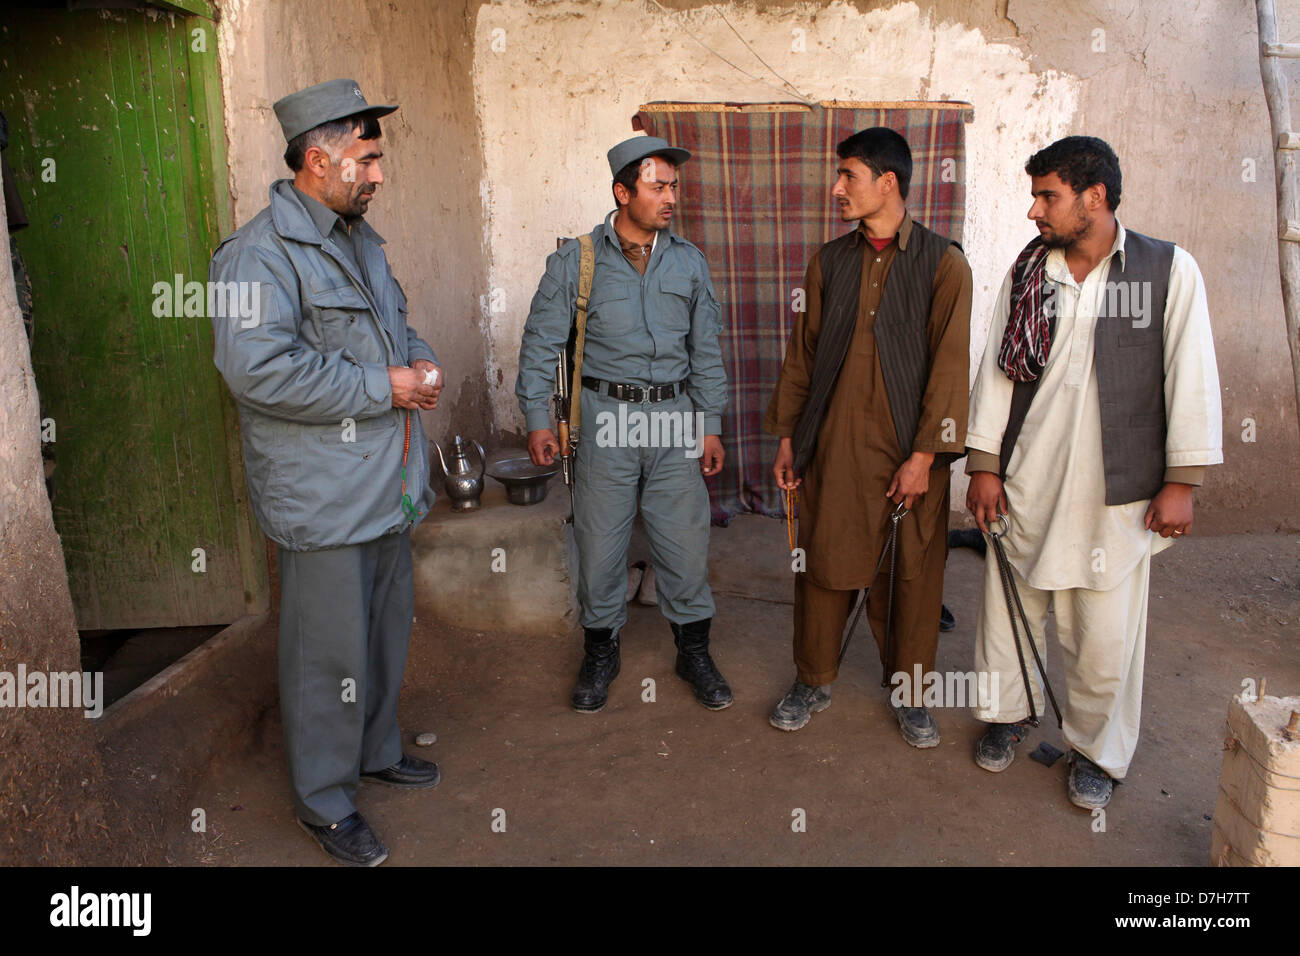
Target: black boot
<point>600,663</point>
<point>696,667</point>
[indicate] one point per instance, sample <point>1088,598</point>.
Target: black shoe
<point>917,726</point>
<point>796,708</point>
<point>997,748</point>
<point>696,667</point>
<point>971,538</point>
<point>600,665</point>
<point>412,773</point>
<point>350,841</point>
<point>946,621</point>
<point>1089,786</point>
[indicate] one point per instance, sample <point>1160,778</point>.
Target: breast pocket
<point>1134,335</point>
<point>346,322</point>
<point>675,302</point>
<point>615,309</point>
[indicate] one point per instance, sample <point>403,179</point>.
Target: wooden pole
<point>1285,145</point>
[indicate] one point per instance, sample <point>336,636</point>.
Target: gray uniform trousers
<point>674,510</point>
<point>345,613</point>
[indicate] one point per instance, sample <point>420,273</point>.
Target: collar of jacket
<point>292,221</point>
<point>904,231</point>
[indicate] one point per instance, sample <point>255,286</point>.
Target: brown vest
<point>900,331</point>
<point>1130,362</point>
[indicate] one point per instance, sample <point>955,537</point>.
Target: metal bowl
<point>525,482</point>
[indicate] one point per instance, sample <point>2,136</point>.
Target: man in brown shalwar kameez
<point>871,410</point>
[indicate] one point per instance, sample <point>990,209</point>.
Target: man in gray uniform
<point>329,380</point>
<point>652,368</point>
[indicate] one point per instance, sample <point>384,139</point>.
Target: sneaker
<point>997,748</point>
<point>796,708</point>
<point>1090,787</point>
<point>917,726</point>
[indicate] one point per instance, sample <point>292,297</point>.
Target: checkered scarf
<point>1027,339</point>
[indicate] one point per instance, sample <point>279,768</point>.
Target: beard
<point>1079,228</point>
<point>651,221</point>
<point>349,200</point>
<point>358,201</point>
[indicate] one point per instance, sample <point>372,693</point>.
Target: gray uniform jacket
<point>653,330</point>
<point>307,364</point>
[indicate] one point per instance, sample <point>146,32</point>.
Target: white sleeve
<point>1193,405</point>
<point>990,400</point>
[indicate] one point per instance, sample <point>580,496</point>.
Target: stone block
<point>1257,818</point>
<point>504,567</point>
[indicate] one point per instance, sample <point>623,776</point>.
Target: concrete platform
<point>504,567</point>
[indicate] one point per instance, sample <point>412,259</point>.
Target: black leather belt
<point>634,393</point>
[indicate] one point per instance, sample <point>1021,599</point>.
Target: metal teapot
<point>464,487</point>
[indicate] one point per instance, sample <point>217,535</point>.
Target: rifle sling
<point>586,269</point>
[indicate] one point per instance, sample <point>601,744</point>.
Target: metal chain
<point>891,545</point>
<point>1010,592</point>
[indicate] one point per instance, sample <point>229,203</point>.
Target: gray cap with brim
<point>639,147</point>
<point>331,100</point>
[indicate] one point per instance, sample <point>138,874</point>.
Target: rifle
<point>563,399</point>
<point>568,367</point>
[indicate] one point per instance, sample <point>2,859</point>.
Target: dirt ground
<point>671,783</point>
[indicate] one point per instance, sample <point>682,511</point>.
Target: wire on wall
<point>787,87</point>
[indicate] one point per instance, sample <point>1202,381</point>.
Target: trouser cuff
<point>816,678</point>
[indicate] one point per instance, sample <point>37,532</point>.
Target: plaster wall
<point>1174,87</point>
<point>418,56</point>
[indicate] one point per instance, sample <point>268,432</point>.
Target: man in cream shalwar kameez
<point>1068,549</point>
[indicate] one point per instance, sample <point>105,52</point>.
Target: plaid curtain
<point>756,199</point>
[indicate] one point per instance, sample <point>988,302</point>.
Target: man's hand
<point>783,466</point>
<point>986,499</point>
<point>424,366</point>
<point>912,480</point>
<point>1170,511</point>
<point>543,446</point>
<point>409,390</point>
<point>711,459</point>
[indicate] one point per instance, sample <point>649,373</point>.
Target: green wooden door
<point>117,149</point>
